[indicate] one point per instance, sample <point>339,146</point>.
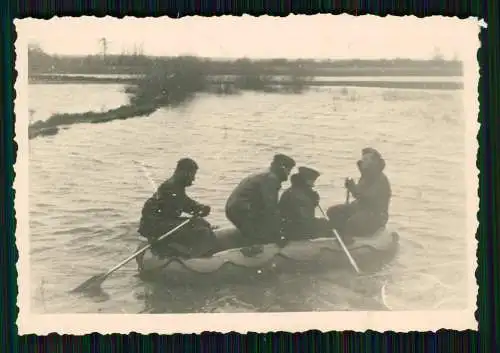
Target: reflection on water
<point>87,190</point>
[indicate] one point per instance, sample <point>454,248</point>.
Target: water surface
<point>87,189</point>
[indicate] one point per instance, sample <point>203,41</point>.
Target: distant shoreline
<point>153,83</point>
<point>131,69</point>
<point>81,79</point>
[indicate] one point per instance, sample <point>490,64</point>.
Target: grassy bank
<point>168,85</point>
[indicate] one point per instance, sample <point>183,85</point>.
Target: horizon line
<point>253,58</point>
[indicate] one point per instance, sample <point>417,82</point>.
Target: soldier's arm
<point>163,196</point>
<point>372,191</point>
<point>270,192</point>
<point>284,202</point>
<point>191,206</point>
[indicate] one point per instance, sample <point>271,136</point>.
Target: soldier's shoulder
<point>258,175</point>
<point>385,178</point>
<point>384,182</point>
<point>167,185</point>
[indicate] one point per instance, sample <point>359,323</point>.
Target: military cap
<point>309,173</point>
<point>187,164</point>
<point>284,160</point>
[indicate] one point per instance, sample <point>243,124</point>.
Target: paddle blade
<point>92,284</point>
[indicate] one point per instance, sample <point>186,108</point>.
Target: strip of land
<point>76,79</point>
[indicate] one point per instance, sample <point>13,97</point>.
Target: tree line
<point>40,62</point>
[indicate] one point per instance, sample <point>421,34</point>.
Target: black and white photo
<point>246,174</point>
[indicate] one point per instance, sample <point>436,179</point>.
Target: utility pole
<point>104,46</point>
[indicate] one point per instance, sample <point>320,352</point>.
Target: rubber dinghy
<point>230,262</point>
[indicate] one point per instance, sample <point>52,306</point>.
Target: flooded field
<point>87,190</point>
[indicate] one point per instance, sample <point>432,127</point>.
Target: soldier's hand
<point>349,183</point>
<point>204,211</point>
<point>282,241</point>
<point>316,198</point>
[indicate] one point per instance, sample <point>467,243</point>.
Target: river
<point>87,189</point>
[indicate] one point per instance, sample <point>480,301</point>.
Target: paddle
<point>346,251</point>
<point>95,281</point>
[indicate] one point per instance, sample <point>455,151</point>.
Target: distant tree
<point>35,48</point>
<point>38,59</point>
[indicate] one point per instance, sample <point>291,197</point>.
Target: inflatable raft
<point>230,262</point>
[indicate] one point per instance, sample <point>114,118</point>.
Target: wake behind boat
<point>233,263</point>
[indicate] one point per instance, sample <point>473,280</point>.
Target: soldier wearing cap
<point>297,207</point>
<point>163,211</point>
<point>253,205</point>
<point>370,209</point>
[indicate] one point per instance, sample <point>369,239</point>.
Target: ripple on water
<point>87,188</point>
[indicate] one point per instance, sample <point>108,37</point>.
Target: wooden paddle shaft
<point>351,259</point>
<point>349,256</point>
<point>146,247</point>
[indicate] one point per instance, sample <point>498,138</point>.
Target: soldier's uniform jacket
<point>165,207</point>
<point>256,198</point>
<point>374,196</point>
<point>297,209</point>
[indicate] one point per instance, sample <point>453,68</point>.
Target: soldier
<point>163,211</point>
<point>253,205</point>
<point>370,210</point>
<point>298,205</point>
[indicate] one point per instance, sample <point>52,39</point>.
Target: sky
<point>295,36</point>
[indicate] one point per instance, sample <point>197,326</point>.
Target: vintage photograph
<point>307,172</point>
